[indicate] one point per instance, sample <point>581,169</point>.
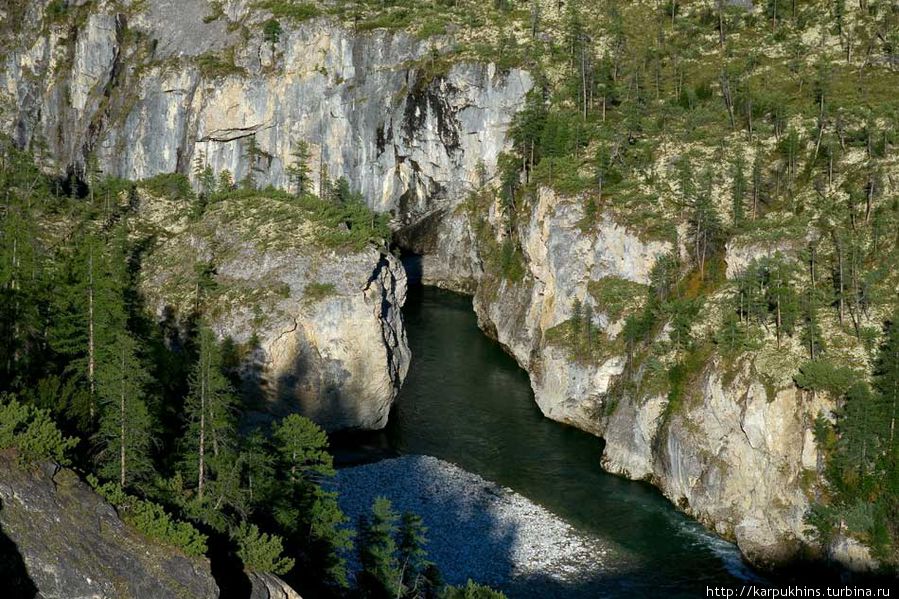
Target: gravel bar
<point>477,529</point>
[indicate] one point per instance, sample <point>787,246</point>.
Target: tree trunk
<point>842,307</point>
<point>202,457</point>
<point>90,331</point>
<point>122,423</point>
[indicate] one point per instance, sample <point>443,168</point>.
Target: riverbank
<point>478,529</point>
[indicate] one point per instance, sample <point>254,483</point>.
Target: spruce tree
<point>88,314</point>
<point>126,428</point>
<point>379,577</point>
<point>21,291</point>
<point>886,381</point>
<point>858,427</point>
<point>299,173</point>
<point>417,571</point>
<point>210,408</point>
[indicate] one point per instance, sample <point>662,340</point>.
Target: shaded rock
<point>269,586</point>
<point>73,543</point>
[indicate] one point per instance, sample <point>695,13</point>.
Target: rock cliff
<point>320,321</point>
<point>141,93</point>
<point>738,453</point>
<point>73,544</point>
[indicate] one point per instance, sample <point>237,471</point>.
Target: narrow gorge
<point>560,275</point>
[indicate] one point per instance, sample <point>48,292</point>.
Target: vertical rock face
<point>739,455</point>
<point>140,93</point>
<point>322,325</point>
<point>73,544</point>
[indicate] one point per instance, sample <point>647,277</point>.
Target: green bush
<point>261,552</point>
<point>821,375</point>
<point>472,590</point>
<point>169,185</point>
<point>290,9</point>
<point>56,10</point>
<point>219,64</point>
<point>32,432</point>
<point>152,520</point>
<point>615,295</point>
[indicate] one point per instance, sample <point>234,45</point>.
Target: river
<point>467,402</point>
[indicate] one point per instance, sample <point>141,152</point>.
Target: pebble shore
<point>476,529</point>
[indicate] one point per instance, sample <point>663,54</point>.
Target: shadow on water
<point>13,573</point>
<point>466,401</point>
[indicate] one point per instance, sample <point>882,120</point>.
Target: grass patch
<point>214,65</point>
<point>316,292</point>
<point>290,9</point>
<point>616,296</point>
<point>584,342</point>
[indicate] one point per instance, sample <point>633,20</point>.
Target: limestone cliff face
<point>321,325</point>
<point>739,455</point>
<point>73,544</point>
<point>141,94</point>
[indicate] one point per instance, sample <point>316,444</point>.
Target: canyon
<point>131,95</point>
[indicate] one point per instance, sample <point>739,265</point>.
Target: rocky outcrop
<point>321,324</point>
<point>73,544</point>
<point>740,458</point>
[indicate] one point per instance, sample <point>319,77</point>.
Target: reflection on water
<point>467,402</point>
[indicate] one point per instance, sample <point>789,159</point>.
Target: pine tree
<point>379,577</point>
<point>781,295</point>
<point>588,328</point>
<point>88,314</point>
<point>577,317</point>
<point>253,155</point>
<point>126,428</point>
<point>738,191</point>
<point>858,427</point>
<point>225,182</point>
<point>812,336</point>
<point>21,289</point>
<point>259,469</point>
<point>303,449</point>
<point>210,408</point>
<point>705,229</point>
<point>302,506</point>
<point>204,175</point>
